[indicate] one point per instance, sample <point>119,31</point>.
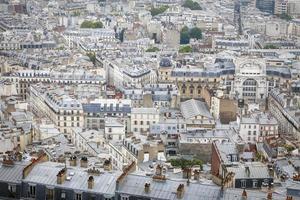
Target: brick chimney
<point>269,196</point>
<point>158,171</point>
<point>107,165</point>
<point>61,176</point>
<point>187,173</point>
<point>91,182</point>
<point>84,162</point>
<point>244,195</point>
<point>73,161</point>
<point>19,156</point>
<point>147,187</point>
<point>196,174</point>
<point>7,161</point>
<point>180,191</point>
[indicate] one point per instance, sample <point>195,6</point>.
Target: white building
<point>257,128</point>
<point>90,141</point>
<point>143,118</point>
<point>250,81</point>
<point>114,129</point>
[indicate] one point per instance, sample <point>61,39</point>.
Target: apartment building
<point>56,104</point>
<point>143,118</point>
<point>284,108</point>
<point>139,150</point>
<point>258,127</point>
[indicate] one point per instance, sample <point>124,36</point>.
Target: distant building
<point>265,5</point>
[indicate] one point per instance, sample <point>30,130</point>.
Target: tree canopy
<point>186,34</point>
<point>91,24</point>
<point>192,5</point>
<point>270,46</point>
<point>184,163</point>
<point>92,57</point>
<point>157,11</point>
<point>152,49</point>
<point>286,17</point>
<point>185,49</point>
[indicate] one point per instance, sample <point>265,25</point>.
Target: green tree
<point>184,38</point>
<point>157,11</point>
<point>192,5</point>
<point>152,49</point>
<point>289,148</point>
<point>185,49</point>
<point>92,57</point>
<point>270,46</point>
<point>184,163</point>
<point>91,24</point>
<point>286,17</point>
<point>186,34</point>
<point>196,33</point>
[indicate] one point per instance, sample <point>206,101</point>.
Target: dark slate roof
<point>105,108</point>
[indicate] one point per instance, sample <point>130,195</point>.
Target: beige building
<point>140,150</point>
<point>56,105</point>
<point>143,118</point>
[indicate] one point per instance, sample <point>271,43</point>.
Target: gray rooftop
<point>45,173</point>
<point>192,108</point>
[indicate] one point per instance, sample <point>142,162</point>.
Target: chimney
<point>158,171</point>
<point>84,162</point>
<point>196,175</point>
<point>147,187</point>
<point>180,191</point>
<point>244,195</point>
<point>187,173</point>
<point>19,156</point>
<point>61,176</point>
<point>107,165</point>
<point>269,197</point>
<point>7,161</point>
<point>91,182</point>
<point>73,161</point>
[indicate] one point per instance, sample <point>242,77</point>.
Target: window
<point>124,197</point>
<point>92,197</point>
<point>109,130</point>
<point>49,194</point>
<point>78,196</point>
<point>32,190</point>
<point>243,183</point>
<point>254,184</point>
<point>254,132</point>
<point>135,122</point>
<point>249,132</point>
<point>142,123</point>
<point>266,182</point>
<point>63,195</point>
<point>12,188</point>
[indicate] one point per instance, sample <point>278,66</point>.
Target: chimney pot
<point>180,191</point>
<point>147,187</point>
<point>84,162</point>
<point>91,182</point>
